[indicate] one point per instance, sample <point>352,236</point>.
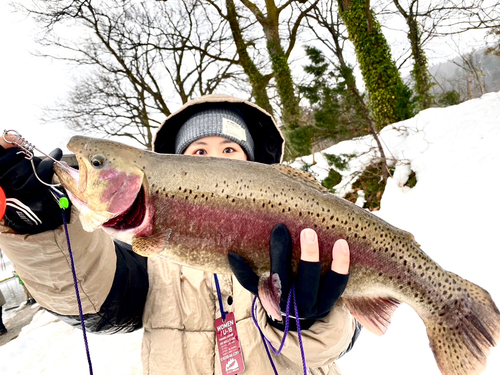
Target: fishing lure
<point>13,137</point>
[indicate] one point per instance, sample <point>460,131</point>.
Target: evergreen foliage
<point>339,163</point>
<point>333,179</point>
<point>449,98</point>
<point>335,114</point>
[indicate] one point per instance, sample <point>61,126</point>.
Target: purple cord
<point>80,310</point>
<point>266,341</point>
<point>299,332</point>
<point>219,296</point>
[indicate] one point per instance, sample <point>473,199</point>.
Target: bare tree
<point>427,20</point>
<point>132,56</point>
<point>472,75</point>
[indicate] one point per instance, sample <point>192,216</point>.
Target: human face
<point>215,146</point>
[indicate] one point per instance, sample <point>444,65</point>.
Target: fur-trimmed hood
<point>269,142</point>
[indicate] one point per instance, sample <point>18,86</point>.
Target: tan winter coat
<point>181,306</point>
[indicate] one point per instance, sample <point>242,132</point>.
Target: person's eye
<point>200,152</point>
<point>229,150</point>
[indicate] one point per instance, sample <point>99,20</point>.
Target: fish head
<point>108,187</point>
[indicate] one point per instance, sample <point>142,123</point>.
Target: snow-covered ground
<point>452,211</point>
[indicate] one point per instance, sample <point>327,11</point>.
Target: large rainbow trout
<point>195,211</point>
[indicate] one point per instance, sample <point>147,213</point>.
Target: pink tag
<point>231,359</point>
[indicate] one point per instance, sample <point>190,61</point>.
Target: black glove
<point>315,294</point>
<point>31,207</point>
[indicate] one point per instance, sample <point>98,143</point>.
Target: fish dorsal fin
<point>305,177</point>
<point>373,313</point>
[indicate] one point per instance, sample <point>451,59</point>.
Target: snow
<point>49,346</point>
<point>452,211</point>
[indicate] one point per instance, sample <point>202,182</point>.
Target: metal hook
<point>27,149</point>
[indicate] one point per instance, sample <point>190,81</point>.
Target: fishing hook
<point>27,148</point>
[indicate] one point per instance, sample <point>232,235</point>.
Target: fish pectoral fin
<point>270,294</point>
<point>152,245</point>
<point>374,313</point>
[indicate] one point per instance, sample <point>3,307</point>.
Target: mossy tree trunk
<point>270,22</point>
<point>282,76</point>
<point>258,81</point>
<point>420,71</point>
<point>389,97</point>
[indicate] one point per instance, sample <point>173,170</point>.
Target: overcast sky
<point>30,83</point>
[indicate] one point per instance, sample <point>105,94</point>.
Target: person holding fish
<point>177,305</point>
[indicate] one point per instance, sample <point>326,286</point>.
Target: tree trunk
<point>279,62</point>
<point>420,72</point>
<point>258,81</point>
<point>283,78</point>
<point>388,95</point>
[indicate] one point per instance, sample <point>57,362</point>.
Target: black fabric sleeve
<point>123,308</point>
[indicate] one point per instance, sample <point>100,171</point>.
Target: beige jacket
<point>181,306</point>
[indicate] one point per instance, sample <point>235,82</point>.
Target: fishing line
<point>27,148</point>
<point>13,137</point>
<point>75,282</point>
<point>265,340</point>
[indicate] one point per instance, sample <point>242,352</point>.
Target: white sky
<point>29,84</point>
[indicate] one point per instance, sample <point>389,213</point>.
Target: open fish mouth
<point>131,218</point>
<point>120,218</point>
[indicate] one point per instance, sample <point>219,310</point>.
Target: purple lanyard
<point>291,295</point>
<point>219,297</point>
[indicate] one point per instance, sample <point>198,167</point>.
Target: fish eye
<point>98,160</point>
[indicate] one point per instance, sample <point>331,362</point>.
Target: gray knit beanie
<point>215,121</point>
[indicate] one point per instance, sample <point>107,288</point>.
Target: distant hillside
<point>471,75</point>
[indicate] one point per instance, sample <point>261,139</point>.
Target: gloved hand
<point>31,208</point>
<point>315,295</point>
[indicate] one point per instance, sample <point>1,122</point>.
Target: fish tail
<point>464,328</point>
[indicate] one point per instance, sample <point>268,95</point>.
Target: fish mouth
<point>131,218</point>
